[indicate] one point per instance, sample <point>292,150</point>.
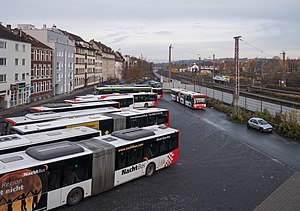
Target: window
<point>2,61</point>
<point>16,61</point>
<point>173,143</point>
<point>23,76</point>
<point>151,120</point>
<point>121,160</point>
<point>38,55</point>
<point>164,146</point>
<point>162,118</point>
<point>3,44</point>
<point>23,62</point>
<point>16,77</point>
<point>2,78</point>
<point>16,47</point>
<point>142,122</point>
<point>23,48</point>
<point>135,156</point>
<point>53,178</point>
<point>151,150</point>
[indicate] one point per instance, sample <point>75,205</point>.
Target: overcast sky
<point>195,28</point>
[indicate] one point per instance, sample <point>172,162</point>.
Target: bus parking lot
<point>215,171</point>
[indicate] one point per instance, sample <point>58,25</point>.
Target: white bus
<point>48,176</point>
<point>50,115</point>
<point>189,98</point>
<point>133,100</point>
<point>16,142</point>
<point>61,107</point>
<point>106,123</point>
<point>99,122</point>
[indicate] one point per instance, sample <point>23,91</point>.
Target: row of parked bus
<point>61,153</point>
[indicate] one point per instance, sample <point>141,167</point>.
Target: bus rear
<point>159,92</point>
<point>199,101</point>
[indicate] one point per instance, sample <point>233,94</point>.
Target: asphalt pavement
<point>215,171</point>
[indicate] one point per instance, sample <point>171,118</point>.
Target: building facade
<point>85,73</point>
<point>15,63</point>
<point>119,65</point>
<point>108,60</point>
<point>41,69</point>
<point>63,56</point>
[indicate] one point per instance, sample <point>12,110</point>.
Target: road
<point>222,166</point>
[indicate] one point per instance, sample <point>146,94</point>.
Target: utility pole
<point>284,69</point>
<point>237,74</point>
<point>214,57</point>
<point>170,66</point>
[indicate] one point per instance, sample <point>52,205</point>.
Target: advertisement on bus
<point>24,189</point>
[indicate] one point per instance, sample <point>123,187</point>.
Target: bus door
<point>188,100</point>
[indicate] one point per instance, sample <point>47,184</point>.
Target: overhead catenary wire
<point>263,52</point>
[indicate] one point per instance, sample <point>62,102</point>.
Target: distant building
<point>63,55</point>
<point>15,63</point>
<point>119,65</point>
<point>41,68</point>
<point>85,60</point>
<point>108,60</point>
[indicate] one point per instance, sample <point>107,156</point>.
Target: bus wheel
<point>146,105</point>
<point>150,170</point>
<point>75,196</point>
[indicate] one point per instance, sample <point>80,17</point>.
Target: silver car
<point>259,124</point>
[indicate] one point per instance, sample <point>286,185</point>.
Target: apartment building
<point>86,73</point>
<point>41,68</point>
<point>15,63</point>
<point>63,56</point>
<point>119,65</point>
<point>108,60</point>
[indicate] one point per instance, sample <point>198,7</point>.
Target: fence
<point>244,102</point>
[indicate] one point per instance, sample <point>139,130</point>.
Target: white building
<point>63,55</point>
<point>15,68</point>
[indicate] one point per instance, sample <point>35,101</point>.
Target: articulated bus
<point>189,98</point>
<point>16,142</point>
<point>61,107</point>
<point>134,100</point>
<point>106,123</point>
<point>129,89</point>
<point>121,89</point>
<point>52,175</point>
<point>50,115</point>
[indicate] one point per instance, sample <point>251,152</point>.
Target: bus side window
<point>142,122</point>
<point>134,156</point>
<point>121,160</point>
<point>151,150</point>
<point>134,123</point>
<point>75,173</point>
<point>151,120</point>
<point>53,178</point>
<point>163,146</point>
<point>173,144</point>
<point>188,98</point>
<point>162,118</point>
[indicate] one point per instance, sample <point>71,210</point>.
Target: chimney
<point>8,27</point>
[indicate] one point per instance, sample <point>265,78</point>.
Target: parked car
<point>259,124</point>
